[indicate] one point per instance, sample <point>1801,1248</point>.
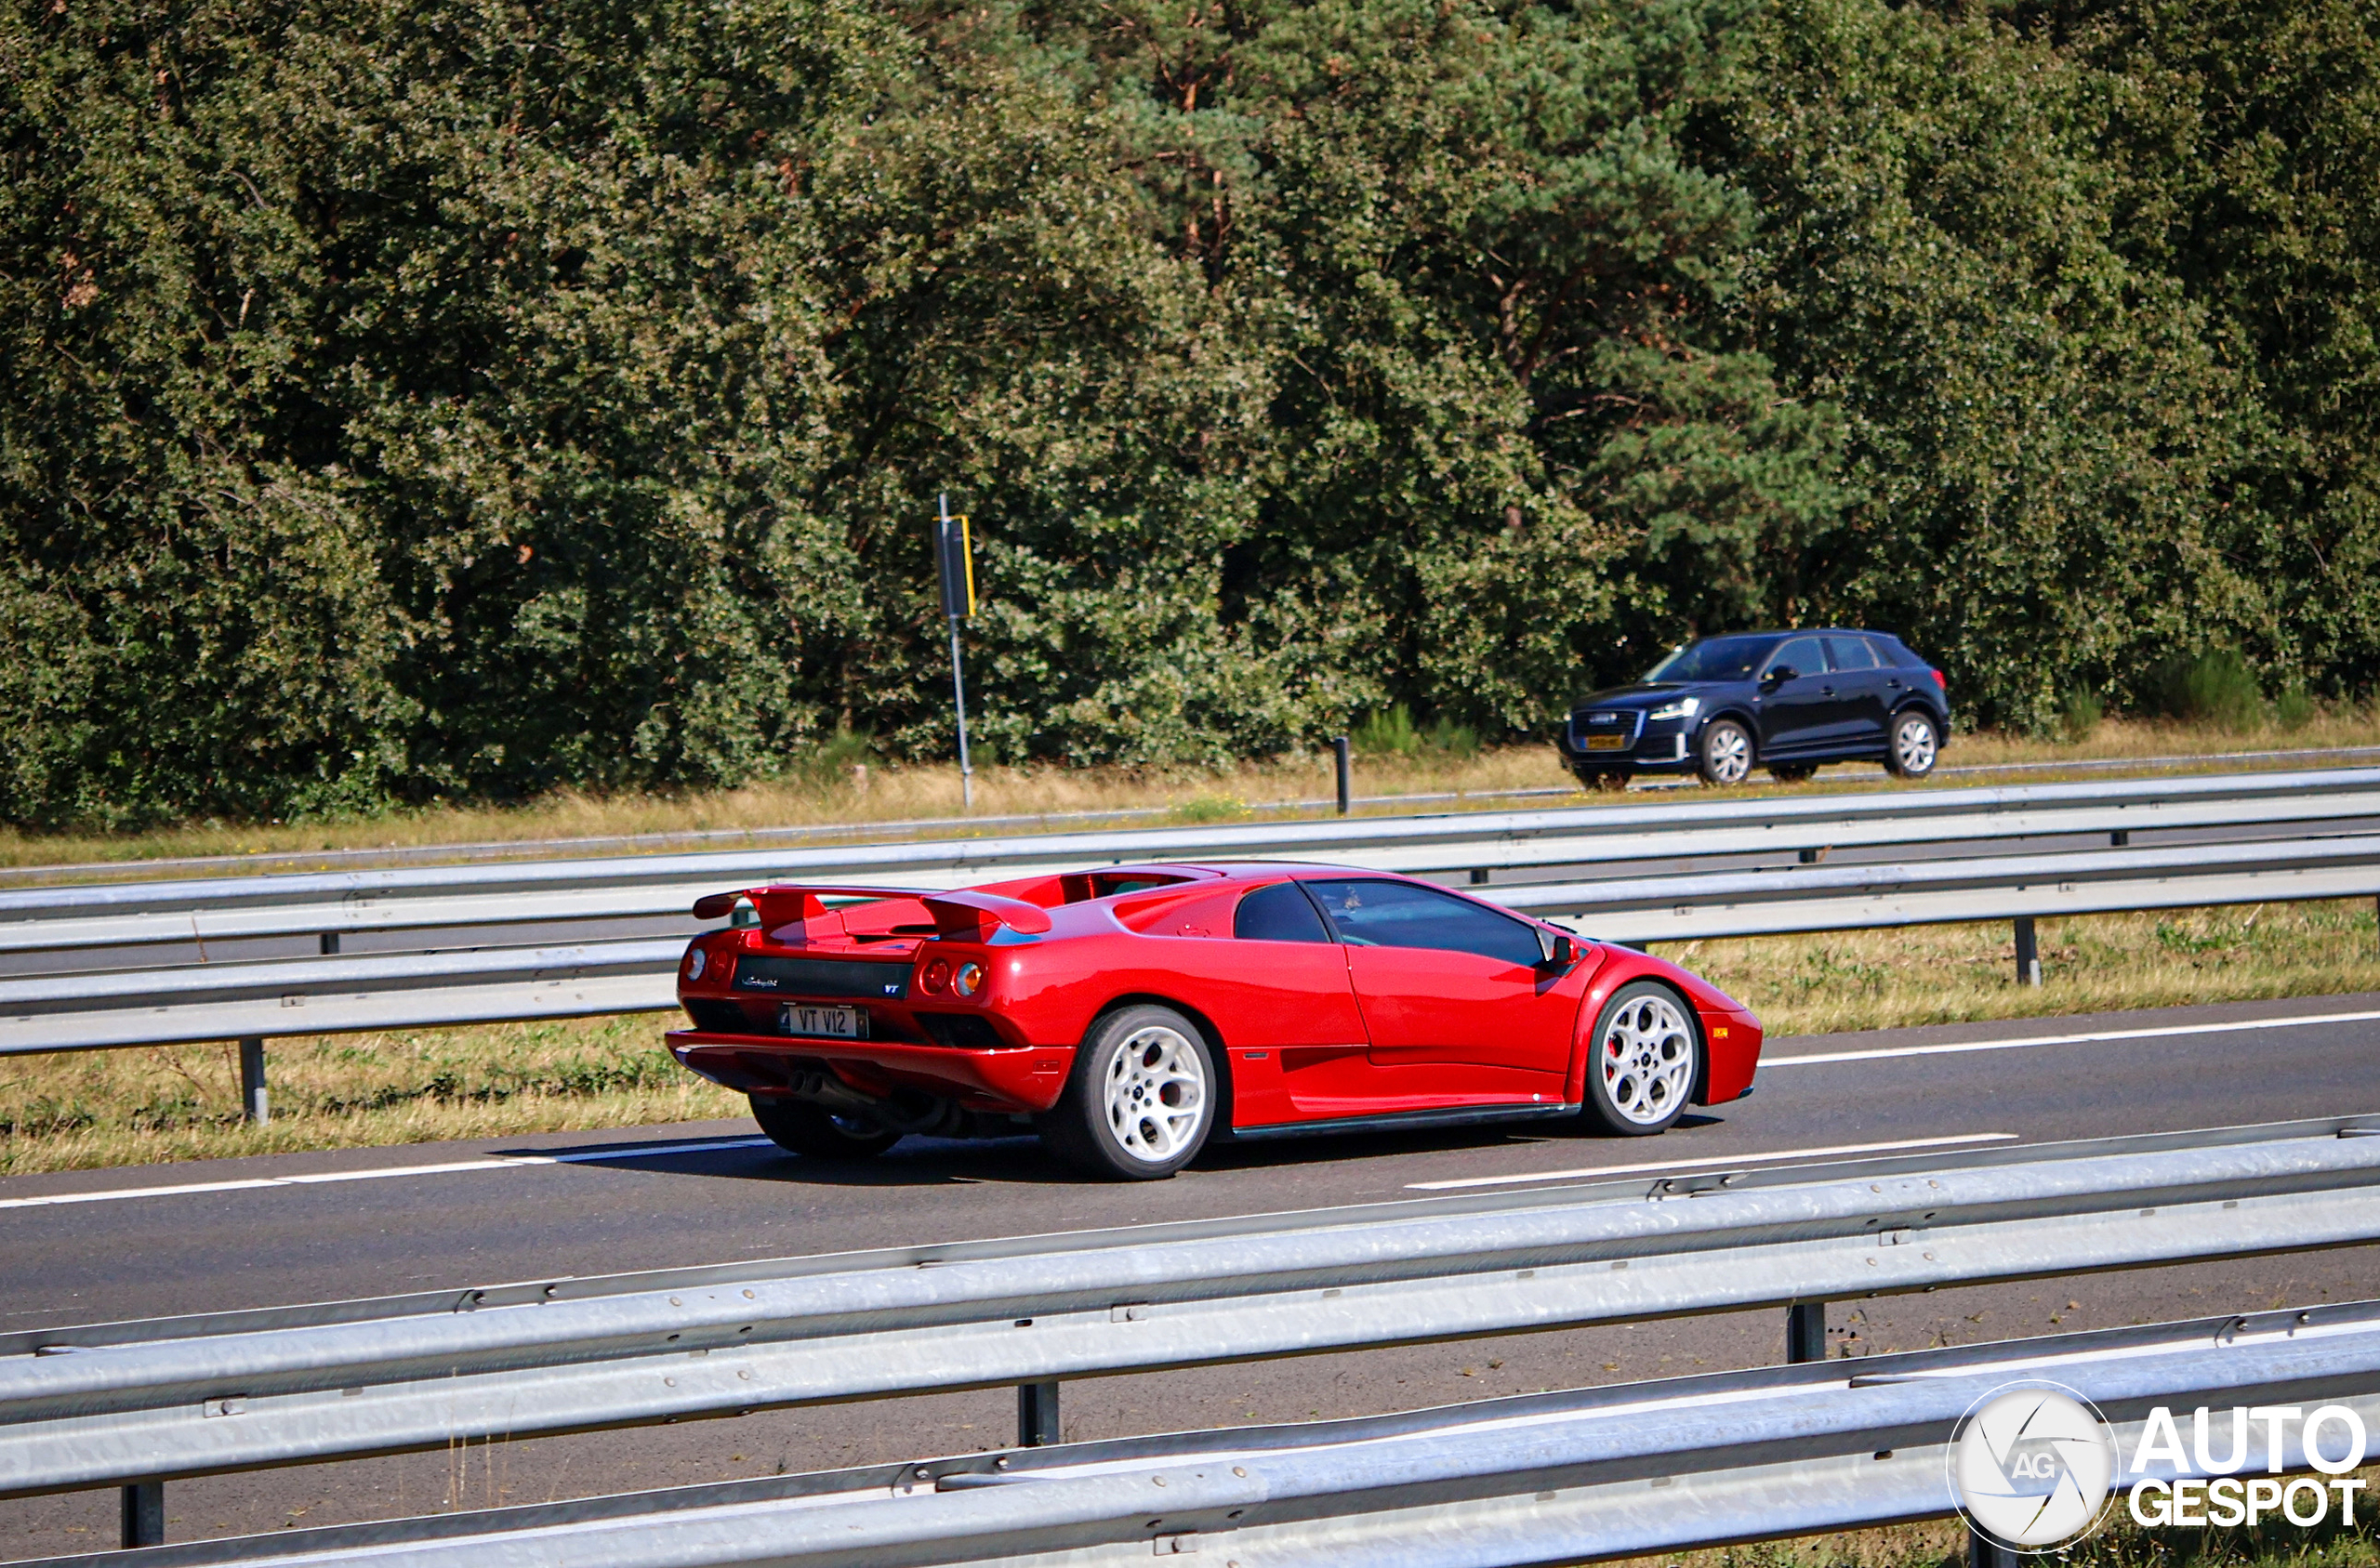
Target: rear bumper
<point>1024,1079</point>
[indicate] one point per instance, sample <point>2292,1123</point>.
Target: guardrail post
<point>1478,876</point>
<point>2118,838</point>
<point>144,1514</point>
<point>1806,1332</point>
<point>1985,1552</point>
<point>252,1095</point>
<point>2028,955</point>
<point>330,945</point>
<point>1346,772</point>
<point>1036,1413</point>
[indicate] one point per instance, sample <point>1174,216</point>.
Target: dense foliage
<point>408,397</point>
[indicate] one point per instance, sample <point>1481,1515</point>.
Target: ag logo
<point>2030,1466</point>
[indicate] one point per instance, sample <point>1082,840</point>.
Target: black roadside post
<point>253,1105</point>
<point>1806,1332</point>
<point>2029,954</point>
<point>1346,777</point>
<point>956,562</point>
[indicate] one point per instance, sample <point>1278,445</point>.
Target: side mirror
<point>1559,950</point>
<point>1778,674</point>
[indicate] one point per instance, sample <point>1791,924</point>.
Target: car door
<point>1454,994</point>
<point>1298,1042</point>
<point>1859,678</point>
<point>1796,711</point>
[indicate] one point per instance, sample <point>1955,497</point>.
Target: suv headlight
<point>1685,707</point>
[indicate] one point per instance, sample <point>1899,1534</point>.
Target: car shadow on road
<point>943,1162</point>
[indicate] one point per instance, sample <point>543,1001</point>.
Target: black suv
<point>1787,700</point>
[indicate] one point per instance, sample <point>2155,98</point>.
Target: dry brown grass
<point>90,1108</point>
<point>135,1107</point>
<point>931,794</point>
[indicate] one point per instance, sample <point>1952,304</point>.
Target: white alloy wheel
<point>1914,745</point>
<point>1726,753</point>
<point>1643,1061</point>
<point>1156,1094</point>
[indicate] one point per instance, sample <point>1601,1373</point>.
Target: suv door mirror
<point>1778,674</point>
<point>1559,950</point>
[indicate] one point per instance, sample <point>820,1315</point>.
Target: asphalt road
<point>168,1238</point>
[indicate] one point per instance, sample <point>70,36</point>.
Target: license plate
<point>832,1023</point>
<point>1606,742</point>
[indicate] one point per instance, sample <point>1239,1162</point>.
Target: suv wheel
<point>1723,755</point>
<point>1141,1099</point>
<point>1916,743</point>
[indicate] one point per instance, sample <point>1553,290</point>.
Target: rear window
<point>1897,652</point>
<point>1850,654</point>
<point>1279,913</point>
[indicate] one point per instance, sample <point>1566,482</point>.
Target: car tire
<point>1141,1099</point>
<point>1916,745</point>
<point>799,1127</point>
<point>1792,772</point>
<point>1644,1060</point>
<point>1724,753</point>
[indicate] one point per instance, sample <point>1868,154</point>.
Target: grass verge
<point>883,793</point>
<point>96,1109</point>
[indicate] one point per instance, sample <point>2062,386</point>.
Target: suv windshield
<point>1714,658</point>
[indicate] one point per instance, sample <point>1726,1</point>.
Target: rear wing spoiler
<point>964,915</point>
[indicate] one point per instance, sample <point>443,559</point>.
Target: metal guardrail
<point>1589,1474</point>
<point>140,1403</point>
<point>261,1000</point>
<point>340,904</point>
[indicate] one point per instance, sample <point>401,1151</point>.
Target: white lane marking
<point>1716,1162</point>
<point>2095,1038</point>
<point>493,1161</point>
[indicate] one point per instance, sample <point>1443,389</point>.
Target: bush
<point>2078,713</point>
<point>1449,739</point>
<point>1387,731</point>
<point>2217,687</point>
<point>2294,708</point>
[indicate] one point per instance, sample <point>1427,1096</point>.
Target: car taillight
<point>969,980</point>
<point>697,961</point>
<point>1940,684</point>
<point>935,975</point>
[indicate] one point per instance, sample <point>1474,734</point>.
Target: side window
<point>1404,915</point>
<point>1850,654</point>
<point>1279,913</point>
<point>1804,654</point>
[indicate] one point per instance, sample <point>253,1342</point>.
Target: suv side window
<point>1850,654</point>
<point>1279,913</point>
<point>1406,914</point>
<point>1804,654</point>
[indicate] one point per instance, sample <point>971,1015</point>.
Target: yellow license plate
<point>1606,742</point>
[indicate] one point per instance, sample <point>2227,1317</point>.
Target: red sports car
<point>1130,1014</point>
